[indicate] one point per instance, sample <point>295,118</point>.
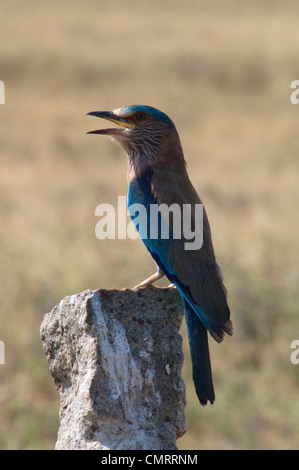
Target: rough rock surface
<point>116,359</point>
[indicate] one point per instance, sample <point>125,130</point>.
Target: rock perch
<point>116,360</point>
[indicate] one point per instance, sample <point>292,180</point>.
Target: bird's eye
<point>140,117</point>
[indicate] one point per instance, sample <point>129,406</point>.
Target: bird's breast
<point>141,200</point>
<point>140,191</point>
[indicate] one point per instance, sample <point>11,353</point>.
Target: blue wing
<point>195,273</point>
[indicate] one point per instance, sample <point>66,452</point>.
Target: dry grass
<point>222,71</point>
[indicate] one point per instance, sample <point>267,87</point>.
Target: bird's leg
<point>150,280</point>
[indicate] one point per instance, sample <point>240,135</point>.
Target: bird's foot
<point>150,280</point>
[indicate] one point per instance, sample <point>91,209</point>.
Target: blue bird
<point>157,175</point>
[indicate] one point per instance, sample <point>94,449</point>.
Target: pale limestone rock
<point>116,359</point>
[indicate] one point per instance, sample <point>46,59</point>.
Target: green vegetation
<point>222,71</point>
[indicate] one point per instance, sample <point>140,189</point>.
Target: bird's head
<point>147,135</point>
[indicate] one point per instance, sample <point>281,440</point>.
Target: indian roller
<point>157,174</point>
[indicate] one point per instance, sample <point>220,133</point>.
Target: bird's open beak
<point>110,117</point>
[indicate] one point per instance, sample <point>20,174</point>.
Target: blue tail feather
<point>200,356</point>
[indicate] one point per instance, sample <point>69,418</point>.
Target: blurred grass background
<point>222,71</point>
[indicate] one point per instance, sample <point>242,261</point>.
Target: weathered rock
<point>116,359</point>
